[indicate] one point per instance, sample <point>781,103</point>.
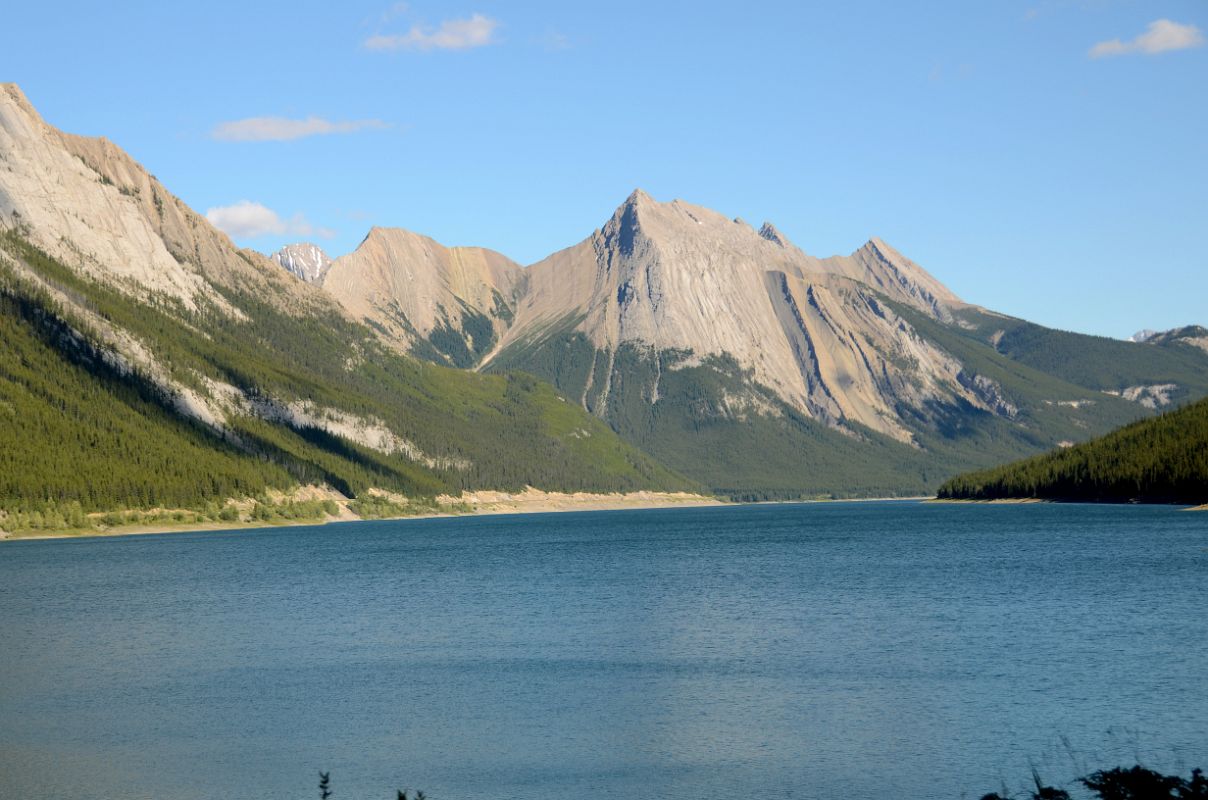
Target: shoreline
<point>470,504</point>
<point>531,501</point>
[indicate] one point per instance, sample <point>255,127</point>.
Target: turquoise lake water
<point>843,650</point>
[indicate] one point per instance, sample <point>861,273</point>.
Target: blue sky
<point>1046,159</point>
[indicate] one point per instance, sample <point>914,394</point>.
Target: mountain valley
<point>148,360</point>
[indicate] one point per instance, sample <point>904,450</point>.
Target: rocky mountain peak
<point>87,203</point>
<point>13,94</point>
<point>304,260</point>
<point>447,303</point>
<point>772,234</point>
<point>625,227</point>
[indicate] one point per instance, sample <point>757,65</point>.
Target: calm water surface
<point>849,650</point>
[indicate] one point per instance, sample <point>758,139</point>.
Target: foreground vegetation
<point>1159,460</point>
<point>70,517</point>
<point>1135,783</point>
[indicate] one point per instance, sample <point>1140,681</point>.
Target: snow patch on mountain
<point>304,260</point>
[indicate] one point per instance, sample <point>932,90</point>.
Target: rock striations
<point>817,332</point>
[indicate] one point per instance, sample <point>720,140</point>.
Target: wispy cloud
<point>1161,36</point>
<point>248,220</point>
<point>396,10</point>
<point>283,129</point>
<point>553,40</point>
<point>452,34</point>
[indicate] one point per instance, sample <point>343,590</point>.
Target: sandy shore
<point>530,501</point>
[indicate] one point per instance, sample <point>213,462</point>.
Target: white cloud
<point>453,34</point>
<point>282,129</point>
<point>248,220</point>
<point>1160,37</point>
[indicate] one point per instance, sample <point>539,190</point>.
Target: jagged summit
<point>769,231</point>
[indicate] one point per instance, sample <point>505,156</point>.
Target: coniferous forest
<point>1158,460</point>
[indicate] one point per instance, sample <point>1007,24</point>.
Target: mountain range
<point>151,360</point>
<point>741,361</point>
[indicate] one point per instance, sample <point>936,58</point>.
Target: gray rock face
<point>305,260</point>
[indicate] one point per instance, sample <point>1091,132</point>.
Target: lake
<point>839,650</point>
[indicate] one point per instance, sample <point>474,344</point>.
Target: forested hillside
<point>1159,460</point>
<point>84,426</point>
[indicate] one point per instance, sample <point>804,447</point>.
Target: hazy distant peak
<point>1194,335</point>
<point>304,260</point>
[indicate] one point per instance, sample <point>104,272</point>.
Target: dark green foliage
<point>1135,783</point>
<point>1159,460</point>
<point>500,308</point>
<point>79,430</point>
<point>75,430</point>
<point>461,348</point>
